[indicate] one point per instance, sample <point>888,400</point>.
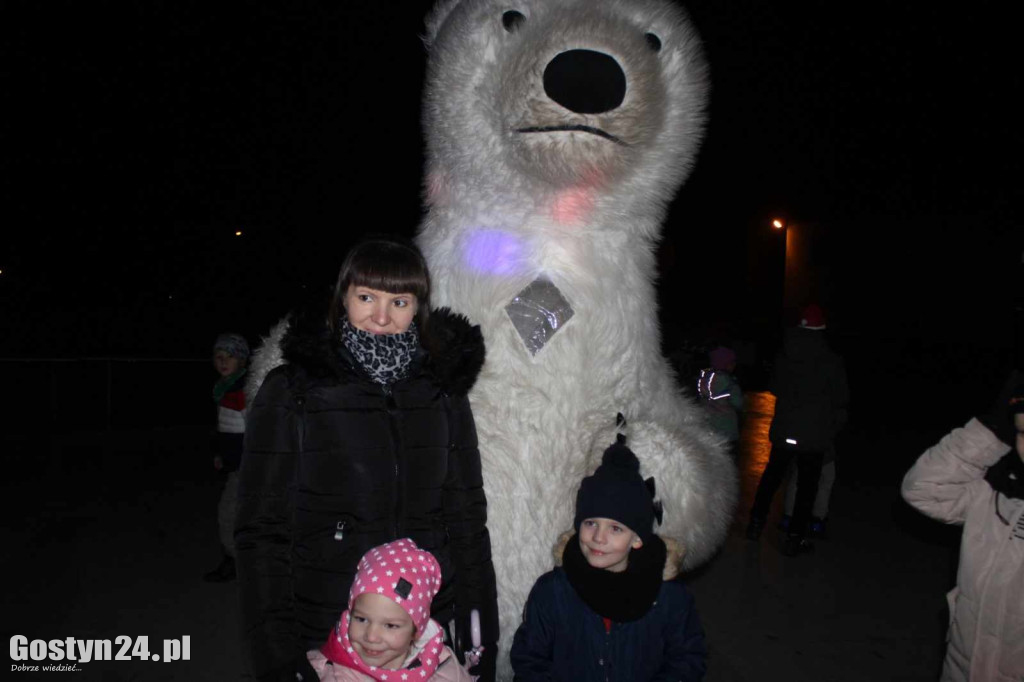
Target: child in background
<point>720,394</point>
<point>230,357</point>
<point>387,633</point>
<point>611,611</point>
<point>970,479</point>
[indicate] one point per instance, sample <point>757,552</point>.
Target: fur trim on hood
<point>673,557</point>
<point>455,349</point>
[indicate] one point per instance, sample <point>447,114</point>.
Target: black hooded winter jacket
<point>335,465</point>
<point>809,383</point>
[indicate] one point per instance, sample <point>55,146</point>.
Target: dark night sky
<point>139,136</point>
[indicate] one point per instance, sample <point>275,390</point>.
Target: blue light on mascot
<point>558,132</point>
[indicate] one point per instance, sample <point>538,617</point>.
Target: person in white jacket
<point>969,478</point>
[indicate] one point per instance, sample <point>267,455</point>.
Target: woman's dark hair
<point>386,263</point>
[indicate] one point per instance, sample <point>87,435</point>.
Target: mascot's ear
<point>436,17</point>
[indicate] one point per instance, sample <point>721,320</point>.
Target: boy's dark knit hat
<point>616,491</point>
<point>234,345</point>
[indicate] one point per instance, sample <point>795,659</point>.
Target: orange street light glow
<point>238,233</point>
<point>777,224</point>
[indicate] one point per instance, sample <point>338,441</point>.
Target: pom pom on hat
<point>812,317</point>
<point>617,491</point>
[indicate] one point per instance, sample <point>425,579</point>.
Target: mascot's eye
<point>653,42</point>
<point>512,20</point>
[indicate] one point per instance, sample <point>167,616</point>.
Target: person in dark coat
<point>612,610</point>
<point>362,436</point>
<point>809,383</point>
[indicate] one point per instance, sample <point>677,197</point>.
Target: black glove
<point>487,666</point>
<point>461,642</point>
<point>999,418</point>
<point>303,671</point>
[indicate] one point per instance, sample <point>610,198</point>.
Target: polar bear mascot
<point>558,132</point>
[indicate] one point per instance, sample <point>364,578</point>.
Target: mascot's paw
<point>674,558</point>
<point>695,481</point>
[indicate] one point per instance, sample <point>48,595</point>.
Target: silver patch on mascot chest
<point>538,312</point>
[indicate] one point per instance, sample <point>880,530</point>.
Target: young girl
<point>968,478</point>
<point>386,633</point>
<point>720,394</point>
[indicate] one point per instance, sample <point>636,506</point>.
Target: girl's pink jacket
<point>448,670</point>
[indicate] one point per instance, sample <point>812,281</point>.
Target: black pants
<point>808,466</point>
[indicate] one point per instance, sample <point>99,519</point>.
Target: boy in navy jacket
<point>611,611</point>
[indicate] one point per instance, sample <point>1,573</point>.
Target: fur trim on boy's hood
<point>303,338</point>
<point>673,557</point>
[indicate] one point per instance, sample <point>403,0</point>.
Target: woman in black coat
<point>362,436</point>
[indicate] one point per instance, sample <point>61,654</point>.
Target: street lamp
<point>781,225</point>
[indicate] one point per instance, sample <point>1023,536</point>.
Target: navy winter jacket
<point>561,638</point>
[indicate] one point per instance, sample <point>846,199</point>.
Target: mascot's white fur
<point>558,131</point>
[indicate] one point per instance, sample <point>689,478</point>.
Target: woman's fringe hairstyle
<point>386,263</point>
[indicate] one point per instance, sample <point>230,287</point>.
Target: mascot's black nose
<point>585,81</point>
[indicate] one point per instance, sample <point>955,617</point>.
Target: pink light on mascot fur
<point>546,193</point>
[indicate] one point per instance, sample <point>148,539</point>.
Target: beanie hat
<point>402,572</point>
<point>722,358</point>
<point>812,317</point>
<point>999,419</point>
<point>1016,402</point>
<point>408,576</point>
<point>234,345</point>
<point>616,491</point>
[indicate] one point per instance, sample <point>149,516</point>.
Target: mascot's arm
<point>465,513</point>
<point>534,644</point>
<point>685,650</point>
<point>263,529</point>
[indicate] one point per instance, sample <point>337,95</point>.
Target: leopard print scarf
<point>385,357</point>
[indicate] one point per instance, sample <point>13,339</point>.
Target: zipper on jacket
<point>606,659</point>
<point>300,402</point>
<point>455,631</point>
<point>390,406</point>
